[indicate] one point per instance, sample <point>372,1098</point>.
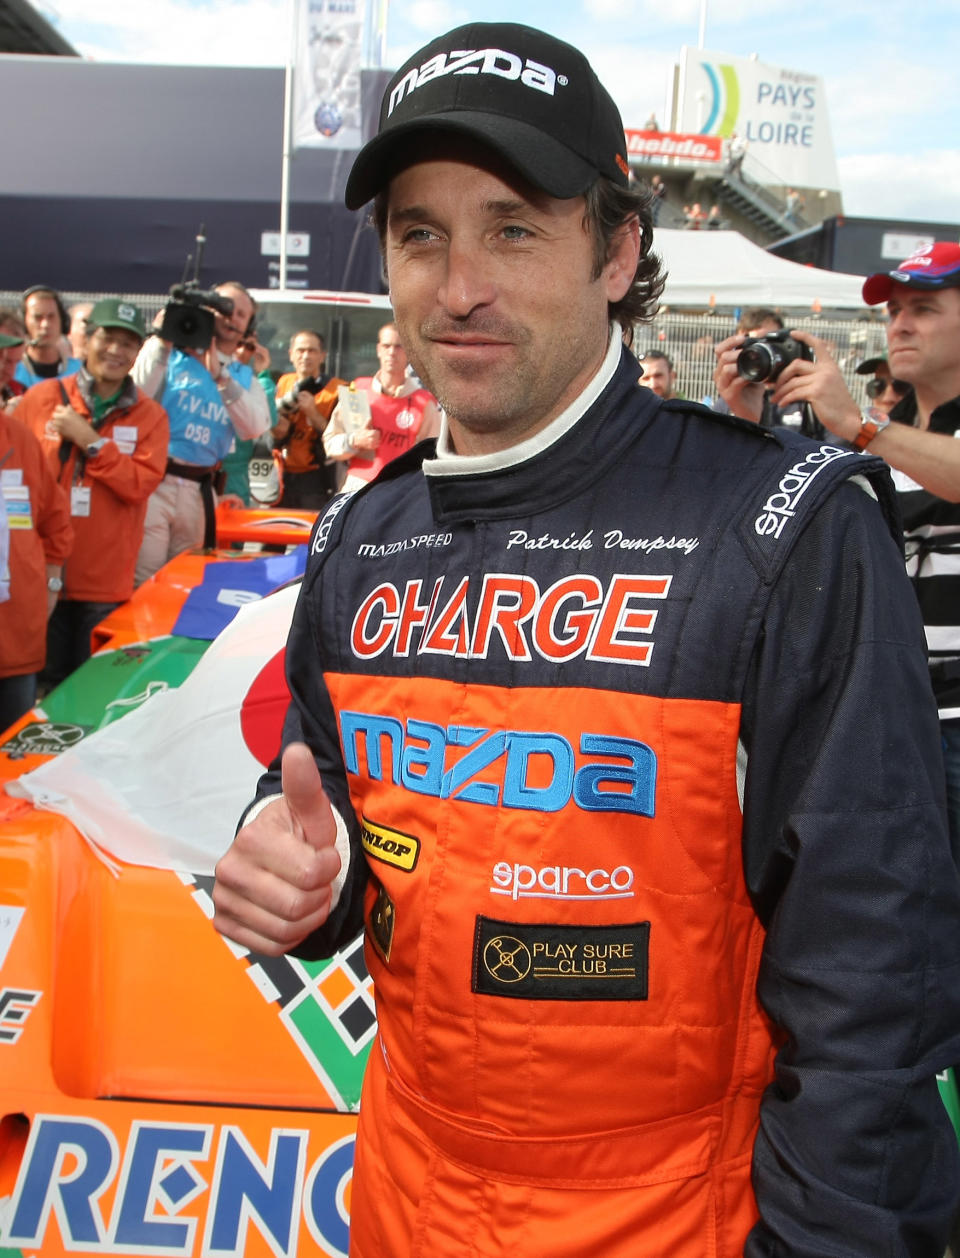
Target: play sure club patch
<point>551,962</point>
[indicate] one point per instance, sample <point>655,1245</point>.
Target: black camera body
<point>288,404</point>
<point>188,317</point>
<point>762,358</point>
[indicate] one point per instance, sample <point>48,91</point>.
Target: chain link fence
<point>688,341</point>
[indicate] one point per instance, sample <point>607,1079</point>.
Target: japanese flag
<point>165,785</point>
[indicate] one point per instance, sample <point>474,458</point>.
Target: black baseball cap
<point>530,97</point>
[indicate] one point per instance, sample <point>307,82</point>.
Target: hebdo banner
<point>326,74</point>
<point>780,114</point>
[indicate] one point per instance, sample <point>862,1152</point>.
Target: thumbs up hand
<point>274,884</point>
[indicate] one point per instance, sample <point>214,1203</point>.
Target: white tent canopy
<point>723,268</point>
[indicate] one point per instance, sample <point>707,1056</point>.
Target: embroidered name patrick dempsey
<point>611,727</point>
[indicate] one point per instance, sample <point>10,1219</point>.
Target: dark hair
<point>242,288</point>
<point>757,315</point>
<point>43,290</point>
<point>657,355</point>
<point>309,332</point>
<point>608,208</point>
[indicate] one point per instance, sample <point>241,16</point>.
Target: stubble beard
<point>480,400</point>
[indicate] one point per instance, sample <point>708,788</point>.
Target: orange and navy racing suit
<point>634,738</point>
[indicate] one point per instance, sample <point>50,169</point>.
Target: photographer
<point>212,400</point>
<point>759,322</point>
<point>918,441</point>
<point>306,397</point>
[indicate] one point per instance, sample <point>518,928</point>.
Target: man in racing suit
<point>618,745</point>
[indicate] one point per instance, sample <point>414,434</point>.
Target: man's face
<point>78,328</point>
<point>111,353</point>
<point>491,286</point>
<point>923,338</point>
<point>882,392</point>
<point>42,317</point>
<point>658,377</point>
<point>228,329</point>
<point>390,353</point>
<point>307,355</point>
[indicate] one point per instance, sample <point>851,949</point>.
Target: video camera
<point>188,317</point>
<point>762,358</point>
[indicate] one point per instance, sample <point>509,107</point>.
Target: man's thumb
<point>305,796</point>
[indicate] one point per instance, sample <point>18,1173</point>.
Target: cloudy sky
<point>889,67</point>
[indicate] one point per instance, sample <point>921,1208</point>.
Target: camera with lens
<point>188,317</point>
<point>288,404</point>
<point>762,358</point>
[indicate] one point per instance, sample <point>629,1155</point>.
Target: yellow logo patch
<point>390,846</point>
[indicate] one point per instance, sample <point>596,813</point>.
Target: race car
<point>161,1090</point>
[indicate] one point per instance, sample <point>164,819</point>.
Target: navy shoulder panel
<point>680,406</point>
<point>794,485</point>
<point>329,526</point>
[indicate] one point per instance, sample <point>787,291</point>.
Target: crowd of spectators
<point>117,441</point>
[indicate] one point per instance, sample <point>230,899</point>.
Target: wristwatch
<point>94,448</point>
<point>54,584</point>
<point>872,421</point>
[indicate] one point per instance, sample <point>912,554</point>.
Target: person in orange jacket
<point>106,442</point>
<point>306,397</point>
<point>40,537</point>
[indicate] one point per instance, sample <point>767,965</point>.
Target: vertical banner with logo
<point>326,87</point>
<point>780,115</point>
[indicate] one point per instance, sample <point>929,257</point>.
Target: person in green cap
<point>14,338</point>
<point>35,539</point>
<point>106,442</point>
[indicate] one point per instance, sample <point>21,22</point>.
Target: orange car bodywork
<point>160,1090</point>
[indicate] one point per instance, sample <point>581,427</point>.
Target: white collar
<point>448,463</point>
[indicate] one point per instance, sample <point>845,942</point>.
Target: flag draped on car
<point>165,785</point>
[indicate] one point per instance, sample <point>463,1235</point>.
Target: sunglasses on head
<point>877,385</point>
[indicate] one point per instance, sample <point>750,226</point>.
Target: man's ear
<point>621,265</point>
